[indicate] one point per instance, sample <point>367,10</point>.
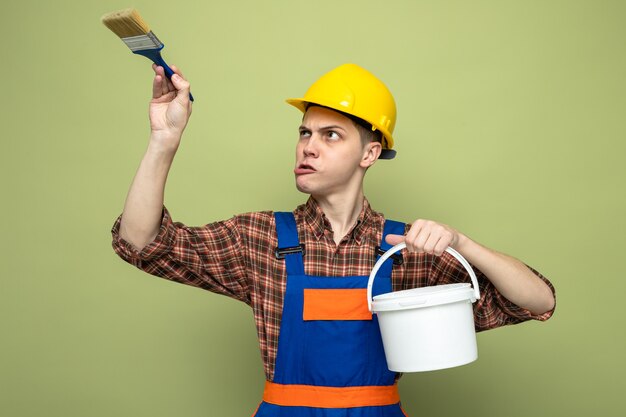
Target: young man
<point>319,359</point>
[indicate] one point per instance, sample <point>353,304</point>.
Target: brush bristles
<point>125,23</point>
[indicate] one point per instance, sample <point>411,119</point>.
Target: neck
<point>342,211</point>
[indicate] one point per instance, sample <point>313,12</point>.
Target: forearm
<point>512,278</point>
<point>144,203</point>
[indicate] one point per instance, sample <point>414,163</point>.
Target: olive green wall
<point>511,129</point>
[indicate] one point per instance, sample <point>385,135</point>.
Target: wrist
<point>163,146</point>
<point>462,243</point>
<point>158,151</point>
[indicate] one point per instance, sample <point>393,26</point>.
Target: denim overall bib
<point>330,360</point>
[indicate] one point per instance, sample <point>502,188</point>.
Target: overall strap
<point>289,246</point>
<point>394,228</point>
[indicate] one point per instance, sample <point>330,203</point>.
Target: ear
<point>371,152</point>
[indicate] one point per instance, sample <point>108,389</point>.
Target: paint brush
<point>131,28</point>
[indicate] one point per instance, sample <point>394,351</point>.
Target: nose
<point>311,146</point>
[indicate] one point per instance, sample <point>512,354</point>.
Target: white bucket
<point>429,328</point>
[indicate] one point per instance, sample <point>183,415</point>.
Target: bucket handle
<point>401,246</point>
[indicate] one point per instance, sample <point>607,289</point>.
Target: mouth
<point>302,169</point>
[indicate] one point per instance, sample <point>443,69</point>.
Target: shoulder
<point>263,220</point>
<point>254,221</point>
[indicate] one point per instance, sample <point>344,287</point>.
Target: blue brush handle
<point>155,56</point>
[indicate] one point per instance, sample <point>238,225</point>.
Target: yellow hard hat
<point>354,90</point>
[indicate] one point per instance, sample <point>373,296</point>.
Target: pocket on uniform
<point>335,304</point>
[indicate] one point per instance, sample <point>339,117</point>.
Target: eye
<point>332,135</point>
<point>304,133</point>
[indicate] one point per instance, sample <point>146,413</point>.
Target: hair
<point>366,133</point>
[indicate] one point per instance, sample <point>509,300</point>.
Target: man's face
<point>329,154</point>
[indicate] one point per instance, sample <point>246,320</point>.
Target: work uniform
<point>237,258</point>
<point>330,358</point>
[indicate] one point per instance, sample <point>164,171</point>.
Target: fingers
<point>430,237</point>
<point>177,71</point>
<point>178,84</point>
<point>161,85</point>
<point>182,86</point>
<point>393,240</point>
<point>156,86</point>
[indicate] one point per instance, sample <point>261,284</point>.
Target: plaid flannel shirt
<point>236,258</point>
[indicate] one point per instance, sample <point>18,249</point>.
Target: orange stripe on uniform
<point>330,397</point>
<point>332,304</point>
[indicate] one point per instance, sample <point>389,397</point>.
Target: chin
<point>302,188</point>
<point>305,187</point>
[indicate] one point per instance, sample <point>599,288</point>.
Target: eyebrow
<point>329,127</point>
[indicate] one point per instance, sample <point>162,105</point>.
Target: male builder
<point>320,358</point>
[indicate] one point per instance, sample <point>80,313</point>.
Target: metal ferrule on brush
<point>143,42</point>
